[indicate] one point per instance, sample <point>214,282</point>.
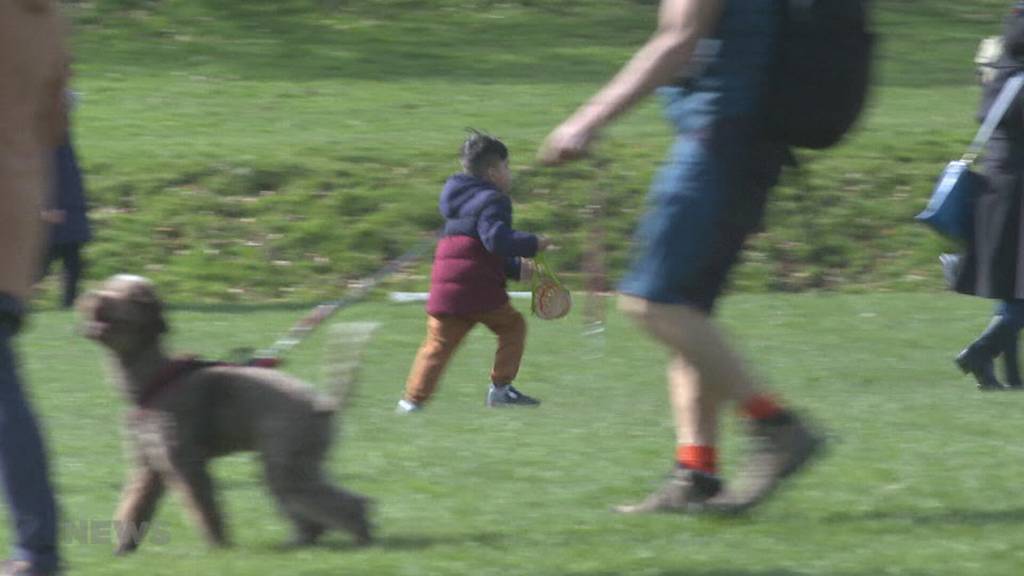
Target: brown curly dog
<point>187,412</point>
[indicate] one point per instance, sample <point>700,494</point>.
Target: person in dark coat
<point>992,265</point>
<point>69,224</point>
<point>477,252</point>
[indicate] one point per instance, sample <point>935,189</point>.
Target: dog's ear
<point>154,313</point>
<point>157,317</point>
<point>153,310</point>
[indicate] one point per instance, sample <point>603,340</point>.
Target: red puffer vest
<point>466,278</point>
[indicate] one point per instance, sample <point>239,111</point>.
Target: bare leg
<point>704,371</point>
<point>694,407</point>
<point>704,374</point>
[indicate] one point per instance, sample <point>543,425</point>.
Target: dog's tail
<point>345,348</point>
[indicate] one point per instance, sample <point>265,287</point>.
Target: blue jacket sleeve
<point>513,268</point>
<point>498,236</point>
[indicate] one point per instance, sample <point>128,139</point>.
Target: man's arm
<point>681,23</point>
<point>32,76</point>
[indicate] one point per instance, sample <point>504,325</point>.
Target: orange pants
<point>446,332</point>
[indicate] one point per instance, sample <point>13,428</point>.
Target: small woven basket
<point>551,300</point>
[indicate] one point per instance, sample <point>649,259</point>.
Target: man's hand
<point>570,141</point>
<point>543,243</point>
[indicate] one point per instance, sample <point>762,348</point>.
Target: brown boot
<point>781,447</point>
<point>684,491</point>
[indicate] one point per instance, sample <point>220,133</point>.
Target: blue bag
<point>950,211</point>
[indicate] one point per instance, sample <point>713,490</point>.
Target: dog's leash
<point>594,257</point>
<point>271,357</point>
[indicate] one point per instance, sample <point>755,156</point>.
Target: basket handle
<point>543,271</point>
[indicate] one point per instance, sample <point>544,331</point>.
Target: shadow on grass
<point>743,572</point>
<point>236,308</point>
<point>396,542</point>
<point>256,307</point>
<point>226,485</point>
<point>953,516</point>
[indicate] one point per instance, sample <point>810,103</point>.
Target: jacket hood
<point>462,192</point>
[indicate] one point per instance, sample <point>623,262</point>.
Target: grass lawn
<point>251,155</point>
<point>922,479</point>
<point>239,152</point>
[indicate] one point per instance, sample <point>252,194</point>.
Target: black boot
<point>1011,368</point>
<point>977,358</point>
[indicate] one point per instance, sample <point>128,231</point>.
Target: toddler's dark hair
<point>481,151</point>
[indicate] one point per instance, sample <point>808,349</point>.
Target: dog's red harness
<point>178,368</point>
<point>171,374</point>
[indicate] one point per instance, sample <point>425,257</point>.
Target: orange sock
<point>699,458</point>
<point>761,407</point>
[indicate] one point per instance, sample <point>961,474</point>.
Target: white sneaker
<point>405,407</point>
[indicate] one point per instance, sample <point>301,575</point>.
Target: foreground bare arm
<point>32,120</point>
<point>681,23</point>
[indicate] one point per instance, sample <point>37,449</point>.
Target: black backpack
<point>820,82</point>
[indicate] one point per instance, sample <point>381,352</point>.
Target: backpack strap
<point>994,116</point>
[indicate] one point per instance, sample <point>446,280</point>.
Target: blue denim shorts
<point>703,204</point>
<point>710,194</point>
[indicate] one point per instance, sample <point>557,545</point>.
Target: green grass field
<point>305,143</point>
<point>251,157</point>
<point>922,479</point>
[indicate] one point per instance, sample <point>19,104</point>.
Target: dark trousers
<point>23,469</point>
<point>1013,313</point>
<point>70,256</point>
